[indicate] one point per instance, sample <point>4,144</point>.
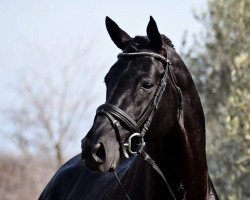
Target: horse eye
<point>147,86</point>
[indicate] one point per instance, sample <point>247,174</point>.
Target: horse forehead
<point>132,67</point>
<point>125,73</point>
<point>148,64</point>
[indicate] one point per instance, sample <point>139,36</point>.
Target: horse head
<point>134,84</point>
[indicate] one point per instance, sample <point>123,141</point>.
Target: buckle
<point>134,144</point>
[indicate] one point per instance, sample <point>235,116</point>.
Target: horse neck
<point>181,154</point>
<point>191,131</point>
<point>191,128</point>
<point>169,159</point>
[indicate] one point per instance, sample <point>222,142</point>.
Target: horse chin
<point>114,165</point>
<point>95,167</point>
<point>111,166</point>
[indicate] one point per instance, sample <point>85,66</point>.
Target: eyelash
<point>147,86</point>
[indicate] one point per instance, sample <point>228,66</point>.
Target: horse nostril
<point>99,152</point>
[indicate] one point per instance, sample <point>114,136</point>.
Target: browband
<point>155,55</point>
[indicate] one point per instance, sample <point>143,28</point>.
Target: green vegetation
<point>219,60</point>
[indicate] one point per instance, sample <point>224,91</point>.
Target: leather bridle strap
<point>152,105</point>
<point>155,103</point>
<point>120,184</point>
<point>136,54</point>
<point>121,115</point>
<point>147,158</point>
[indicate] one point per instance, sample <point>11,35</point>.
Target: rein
<point>135,143</point>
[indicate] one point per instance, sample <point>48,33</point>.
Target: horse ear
<point>119,37</point>
<point>154,35</point>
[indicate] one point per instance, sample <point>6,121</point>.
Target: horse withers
<point>148,139</point>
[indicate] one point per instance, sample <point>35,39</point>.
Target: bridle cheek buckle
<point>134,143</point>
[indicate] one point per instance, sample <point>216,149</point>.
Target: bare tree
<point>51,104</point>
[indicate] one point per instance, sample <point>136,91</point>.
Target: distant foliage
<point>219,60</point>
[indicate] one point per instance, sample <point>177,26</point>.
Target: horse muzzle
<point>101,155</point>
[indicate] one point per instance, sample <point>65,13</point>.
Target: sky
<point>58,25</point>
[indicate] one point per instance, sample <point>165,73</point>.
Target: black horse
<point>148,139</point>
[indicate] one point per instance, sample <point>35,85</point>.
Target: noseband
<point>135,142</point>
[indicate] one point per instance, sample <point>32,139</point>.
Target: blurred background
<point>53,59</point>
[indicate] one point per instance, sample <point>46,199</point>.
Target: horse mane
<point>167,41</point>
<point>142,42</point>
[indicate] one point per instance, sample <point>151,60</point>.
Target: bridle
<point>140,127</point>
<point>135,142</point>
